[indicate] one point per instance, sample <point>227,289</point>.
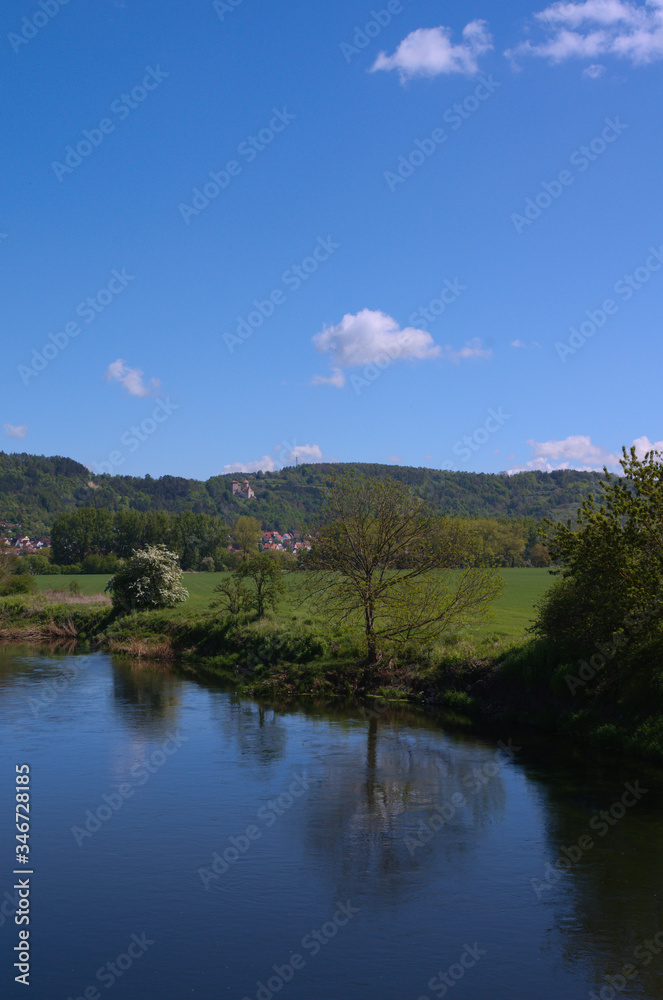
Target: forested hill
<point>35,489</point>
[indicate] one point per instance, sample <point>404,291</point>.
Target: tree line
<point>91,532</point>
<point>95,540</point>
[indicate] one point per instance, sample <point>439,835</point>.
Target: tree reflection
<point>258,733</point>
<point>146,695</point>
<point>605,897</point>
<point>380,792</point>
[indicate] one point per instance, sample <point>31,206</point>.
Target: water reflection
<point>393,805</point>
<point>433,833</point>
<point>147,696</point>
<point>604,868</point>
<point>32,664</point>
<point>258,733</point>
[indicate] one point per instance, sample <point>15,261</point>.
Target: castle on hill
<point>242,490</point>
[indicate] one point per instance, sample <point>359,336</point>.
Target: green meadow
<point>512,612</point>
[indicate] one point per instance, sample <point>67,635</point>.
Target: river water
<point>185,842</point>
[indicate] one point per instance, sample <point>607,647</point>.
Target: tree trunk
<point>371,641</point>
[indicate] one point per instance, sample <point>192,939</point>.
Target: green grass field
<point>513,611</point>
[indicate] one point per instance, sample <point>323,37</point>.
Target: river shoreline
<point>514,686</point>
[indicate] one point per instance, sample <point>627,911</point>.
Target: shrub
<point>96,563</point>
<point>150,579</point>
<point>567,618</point>
<point>22,583</point>
<point>38,565</point>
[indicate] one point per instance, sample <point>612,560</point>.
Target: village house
<point>274,541</point>
<point>22,545</point>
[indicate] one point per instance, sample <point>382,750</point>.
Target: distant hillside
<point>35,489</point>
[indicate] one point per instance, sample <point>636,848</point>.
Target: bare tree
<point>383,560</point>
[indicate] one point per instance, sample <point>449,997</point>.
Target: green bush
<point>563,614</point>
<point>100,564</point>
<point>38,565</point>
<point>459,700</point>
<point>22,583</point>
<point>268,642</point>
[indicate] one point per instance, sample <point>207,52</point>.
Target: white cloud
<point>337,379</point>
<point>430,51</point>
<point>642,445</point>
<point>574,452</point>
<point>605,12</point>
<point>15,430</point>
<point>577,447</point>
<point>264,464</point>
<point>365,337</point>
<point>131,379</point>
<point>520,343</point>
<point>473,349</point>
<point>307,453</point>
<point>594,71</point>
<point>594,28</point>
<point>372,337</point>
<point>578,452</point>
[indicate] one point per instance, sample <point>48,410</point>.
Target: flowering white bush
<point>151,578</point>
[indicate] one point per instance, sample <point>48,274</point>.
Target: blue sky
<point>236,233</point>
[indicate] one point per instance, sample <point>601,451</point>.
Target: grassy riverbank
<point>494,673</point>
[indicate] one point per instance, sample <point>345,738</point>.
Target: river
<point>186,842</point>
